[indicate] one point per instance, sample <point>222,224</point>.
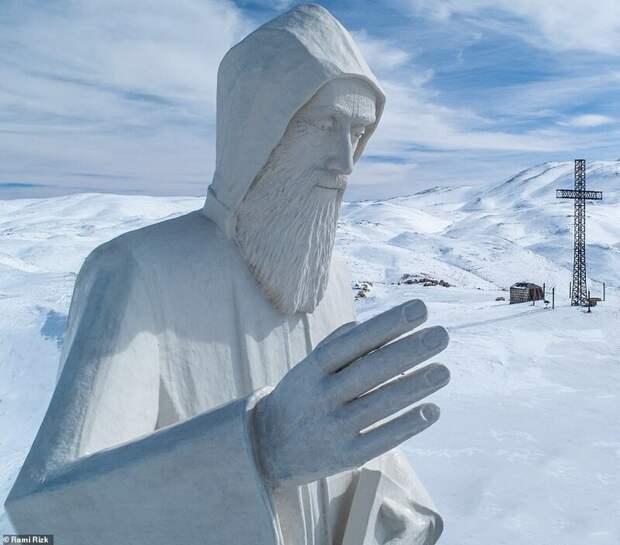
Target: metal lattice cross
<point>579,290</point>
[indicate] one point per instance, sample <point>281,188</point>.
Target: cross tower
<point>579,292</point>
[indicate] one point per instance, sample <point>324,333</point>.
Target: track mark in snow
<point>495,320</point>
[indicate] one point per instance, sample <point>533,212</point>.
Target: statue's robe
<point>148,436</point>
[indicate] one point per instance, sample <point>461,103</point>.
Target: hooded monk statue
<point>214,385</point>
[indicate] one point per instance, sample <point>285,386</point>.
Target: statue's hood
<point>261,83</point>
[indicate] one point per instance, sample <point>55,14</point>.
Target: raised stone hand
<point>314,423</point>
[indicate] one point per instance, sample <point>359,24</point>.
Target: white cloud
<point>422,141</point>
<point>121,96</point>
<point>425,139</point>
<point>558,24</point>
<point>415,118</point>
<point>151,47</point>
<point>382,55</point>
<point>120,88</point>
<point>589,120</point>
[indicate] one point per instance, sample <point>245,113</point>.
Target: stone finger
<point>386,363</point>
<point>337,333</point>
<point>391,434</point>
<point>370,335</point>
<point>395,396</point>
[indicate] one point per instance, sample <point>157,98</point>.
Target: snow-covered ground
<point>528,447</point>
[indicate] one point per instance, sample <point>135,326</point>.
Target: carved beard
<point>286,227</point>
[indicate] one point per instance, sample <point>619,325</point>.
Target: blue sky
<point>119,95</point>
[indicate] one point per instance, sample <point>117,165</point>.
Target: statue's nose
<point>341,159</point>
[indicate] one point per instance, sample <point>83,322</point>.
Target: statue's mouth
<point>336,184</point>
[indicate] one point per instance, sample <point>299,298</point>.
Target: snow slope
<point>528,449</point>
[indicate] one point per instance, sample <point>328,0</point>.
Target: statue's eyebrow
<point>358,117</point>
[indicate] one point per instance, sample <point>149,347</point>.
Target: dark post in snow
<point>553,297</point>
<point>603,291</point>
<point>580,196</point>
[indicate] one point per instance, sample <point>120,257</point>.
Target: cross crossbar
<point>578,194</point>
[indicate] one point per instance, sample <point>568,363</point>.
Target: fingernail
<point>430,412</point>
<point>435,338</point>
<point>415,310</point>
<point>437,374</point>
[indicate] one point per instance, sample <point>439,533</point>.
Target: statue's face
<point>327,129</point>
<point>286,224</point>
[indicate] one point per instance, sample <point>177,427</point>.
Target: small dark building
<point>522,292</point>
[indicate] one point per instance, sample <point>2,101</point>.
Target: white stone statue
<point>214,385</point>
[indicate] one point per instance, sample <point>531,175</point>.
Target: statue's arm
<point>97,473</point>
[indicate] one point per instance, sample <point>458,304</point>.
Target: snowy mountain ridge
<point>495,237</point>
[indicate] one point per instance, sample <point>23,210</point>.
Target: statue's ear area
<point>337,332</point>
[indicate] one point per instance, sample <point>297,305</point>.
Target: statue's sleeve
<point>97,473</point>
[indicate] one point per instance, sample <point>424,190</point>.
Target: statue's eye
<point>326,124</point>
<point>322,123</point>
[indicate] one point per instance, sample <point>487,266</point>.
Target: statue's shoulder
<point>188,238</point>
